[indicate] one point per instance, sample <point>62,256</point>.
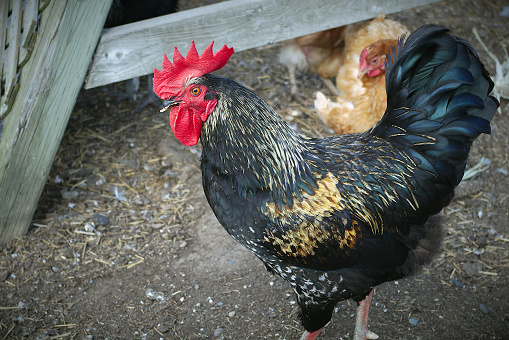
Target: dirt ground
<point>124,246</point>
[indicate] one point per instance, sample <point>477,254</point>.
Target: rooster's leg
<point>294,90</point>
<point>293,81</point>
<point>151,97</point>
<point>361,323</point>
<point>310,336</point>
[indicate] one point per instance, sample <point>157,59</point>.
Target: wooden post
<point>49,85</point>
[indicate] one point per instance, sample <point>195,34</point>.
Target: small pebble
<point>163,328</point>
<point>100,181</point>
<point>131,142</point>
<point>504,12</point>
<point>471,268</point>
<point>483,308</point>
<point>153,295</point>
<point>69,194</point>
<point>502,171</point>
<point>478,251</point>
<point>89,227</point>
<point>138,200</point>
<point>413,321</point>
<point>101,219</point>
<point>231,314</point>
<point>218,331</point>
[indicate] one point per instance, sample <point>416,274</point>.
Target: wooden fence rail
<point>134,50</point>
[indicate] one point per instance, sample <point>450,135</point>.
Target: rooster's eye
<point>195,91</point>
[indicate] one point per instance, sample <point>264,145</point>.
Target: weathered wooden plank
<point>26,52</point>
<point>3,24</point>
<point>43,4</point>
<point>30,13</point>
<point>133,50</point>
<point>50,83</point>
<point>11,59</point>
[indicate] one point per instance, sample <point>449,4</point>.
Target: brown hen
<point>362,99</point>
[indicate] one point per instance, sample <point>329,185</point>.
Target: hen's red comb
<point>168,82</point>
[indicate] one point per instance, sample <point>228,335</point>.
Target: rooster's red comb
<point>168,82</point>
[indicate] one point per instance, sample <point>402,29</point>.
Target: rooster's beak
<point>169,103</point>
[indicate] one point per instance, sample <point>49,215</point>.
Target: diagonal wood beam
<point>134,50</point>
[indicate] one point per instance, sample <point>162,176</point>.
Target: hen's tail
<point>437,101</point>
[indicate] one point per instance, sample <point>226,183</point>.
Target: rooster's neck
<point>246,139</point>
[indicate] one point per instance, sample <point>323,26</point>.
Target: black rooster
<point>335,216</point>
